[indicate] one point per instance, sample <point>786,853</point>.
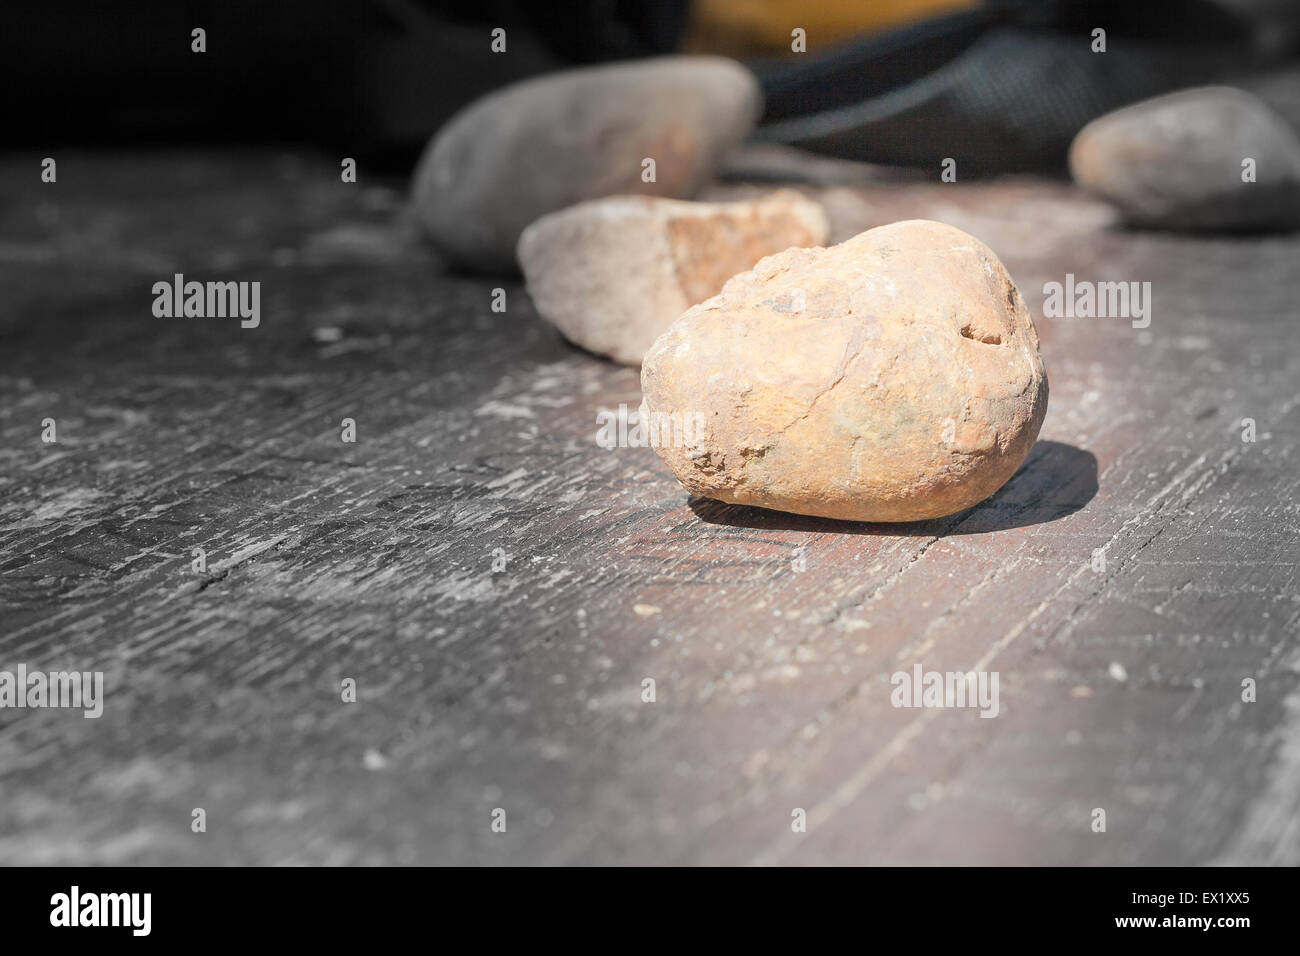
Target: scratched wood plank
<point>521,689</point>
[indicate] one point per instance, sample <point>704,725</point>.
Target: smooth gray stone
<point>548,143</point>
<point>1175,162</point>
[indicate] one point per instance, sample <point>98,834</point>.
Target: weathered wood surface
<point>522,689</point>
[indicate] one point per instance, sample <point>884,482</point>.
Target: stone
<point>612,274</point>
<point>893,377</point>
<point>1176,162</point>
<point>550,142</point>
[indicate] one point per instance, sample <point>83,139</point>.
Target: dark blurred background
<point>880,81</point>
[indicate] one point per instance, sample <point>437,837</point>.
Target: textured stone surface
<point>1176,162</point>
<point>551,142</point>
<point>612,274</point>
<point>894,377</point>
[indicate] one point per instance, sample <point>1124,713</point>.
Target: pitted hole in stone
<point>979,335</point>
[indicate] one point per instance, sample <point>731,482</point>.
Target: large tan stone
<point>893,377</point>
<point>612,274</point>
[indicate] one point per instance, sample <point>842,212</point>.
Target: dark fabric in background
<point>376,78</point>
<point>378,75</point>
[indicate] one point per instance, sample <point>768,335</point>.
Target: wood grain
<point>521,689</point>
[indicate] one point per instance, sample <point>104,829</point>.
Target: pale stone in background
<point>612,274</point>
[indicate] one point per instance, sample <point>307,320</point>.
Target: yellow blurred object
<point>740,27</point>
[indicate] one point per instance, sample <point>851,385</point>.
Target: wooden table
<point>522,688</point>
